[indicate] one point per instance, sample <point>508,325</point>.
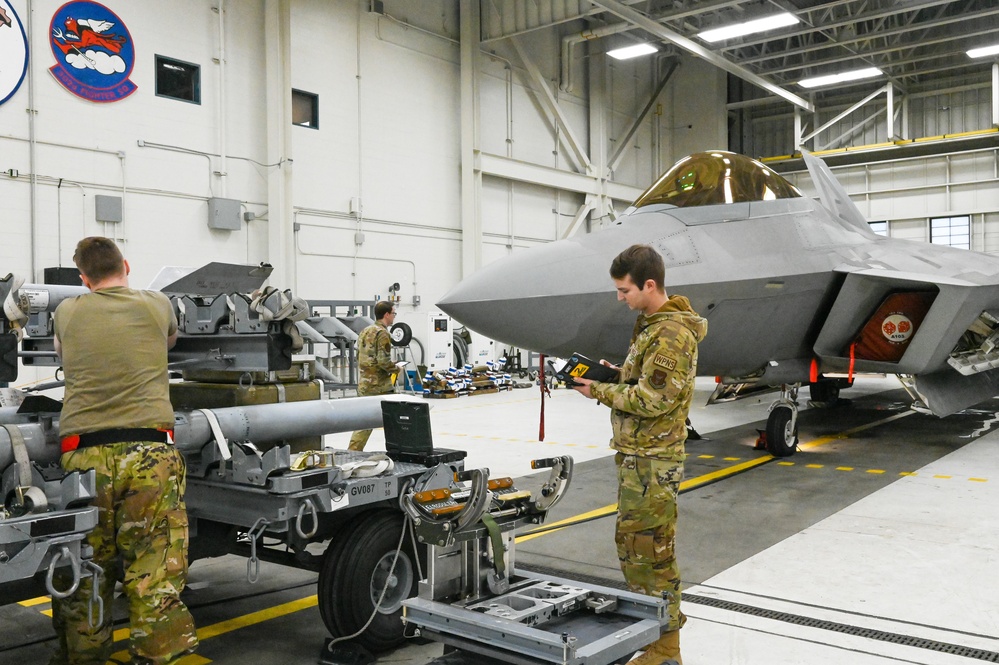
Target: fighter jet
<point>794,290</point>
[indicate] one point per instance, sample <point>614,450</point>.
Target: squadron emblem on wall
<point>13,51</point>
<point>93,51</point>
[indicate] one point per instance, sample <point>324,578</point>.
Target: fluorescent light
<point>632,51</point>
<point>984,51</point>
<point>855,75</point>
<point>749,27</point>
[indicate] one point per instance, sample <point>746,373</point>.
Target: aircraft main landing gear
<point>782,423</point>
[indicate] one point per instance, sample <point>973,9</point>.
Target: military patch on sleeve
<point>665,361</point>
<point>658,379</point>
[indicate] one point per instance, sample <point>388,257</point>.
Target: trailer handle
<point>74,565</point>
<point>315,519</point>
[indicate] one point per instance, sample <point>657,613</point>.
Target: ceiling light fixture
<point>842,77</point>
<point>749,27</point>
<point>632,51</point>
<point>984,51</point>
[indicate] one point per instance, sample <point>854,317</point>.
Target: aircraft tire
<point>401,334</point>
<point>353,576</point>
<point>781,441</point>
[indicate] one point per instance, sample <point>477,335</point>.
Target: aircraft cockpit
<point>717,177</point>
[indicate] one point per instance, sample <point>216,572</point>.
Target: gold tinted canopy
<point>711,178</point>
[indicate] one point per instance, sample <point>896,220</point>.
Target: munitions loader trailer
<point>414,542</point>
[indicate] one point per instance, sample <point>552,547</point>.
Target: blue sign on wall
<point>13,51</point>
<point>93,51</point>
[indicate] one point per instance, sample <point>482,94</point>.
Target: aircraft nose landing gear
<point>781,435</point>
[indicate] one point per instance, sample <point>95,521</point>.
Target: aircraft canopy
<point>711,178</point>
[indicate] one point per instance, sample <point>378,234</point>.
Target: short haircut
<point>641,263</point>
<point>98,258</point>
<point>382,308</point>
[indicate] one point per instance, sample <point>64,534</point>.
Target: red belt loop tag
<point>70,443</point>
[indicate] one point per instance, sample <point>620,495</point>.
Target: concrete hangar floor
<point>877,542</point>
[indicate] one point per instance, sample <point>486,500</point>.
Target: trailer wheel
<point>329,609</point>
<point>355,571</point>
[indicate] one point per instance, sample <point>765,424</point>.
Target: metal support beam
<point>905,117</point>
<point>599,133</point>
<point>845,113</point>
<point>646,23</point>
<point>890,111</point>
<point>471,178</point>
<point>856,127</point>
<point>798,141</point>
<point>581,215</point>
<point>548,101</point>
<point>616,159</point>
<point>280,233</point>
<point>546,176</point>
<point>995,94</point>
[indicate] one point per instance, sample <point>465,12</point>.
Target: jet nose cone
<point>538,299</point>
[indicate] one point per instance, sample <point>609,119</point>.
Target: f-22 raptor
<point>794,290</point>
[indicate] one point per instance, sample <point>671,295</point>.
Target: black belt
<point>123,435</point>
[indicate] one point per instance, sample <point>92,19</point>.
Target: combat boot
<point>664,651</point>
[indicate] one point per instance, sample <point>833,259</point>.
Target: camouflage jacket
<point>651,402</point>
<point>374,361</point>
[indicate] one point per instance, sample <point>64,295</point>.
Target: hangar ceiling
<point>918,44</point>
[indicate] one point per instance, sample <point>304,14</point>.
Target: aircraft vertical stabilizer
<point>831,193</point>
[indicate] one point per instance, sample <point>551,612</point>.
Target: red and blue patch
<point>93,51</point>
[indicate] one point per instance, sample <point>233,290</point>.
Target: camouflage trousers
<point>142,524</point>
<point>360,438</point>
<point>646,529</point>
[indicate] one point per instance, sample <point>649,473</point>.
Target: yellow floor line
<point>253,618</point>
<point>236,623</point>
<point>710,477</point>
<point>31,602</point>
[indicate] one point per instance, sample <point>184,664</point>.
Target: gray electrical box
<point>224,214</point>
<point>107,208</point>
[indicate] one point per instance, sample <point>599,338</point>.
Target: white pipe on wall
<point>33,181</point>
<point>222,124</point>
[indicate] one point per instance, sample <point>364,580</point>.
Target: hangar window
<point>304,109</point>
<point>178,80</point>
<point>881,228</point>
<point>952,231</point>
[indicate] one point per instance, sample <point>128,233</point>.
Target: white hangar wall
<point>375,191</point>
<point>908,193</point>
<point>84,149</point>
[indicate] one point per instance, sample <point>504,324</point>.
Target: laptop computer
<point>408,437</point>
<point>407,427</point>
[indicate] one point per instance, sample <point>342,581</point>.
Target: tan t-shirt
<point>114,354</point>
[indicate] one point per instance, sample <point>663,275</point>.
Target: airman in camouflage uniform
<point>374,362</point>
<point>113,343</point>
<point>649,406</point>
<point>138,484</point>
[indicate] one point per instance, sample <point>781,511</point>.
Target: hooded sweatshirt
<point>649,405</point>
